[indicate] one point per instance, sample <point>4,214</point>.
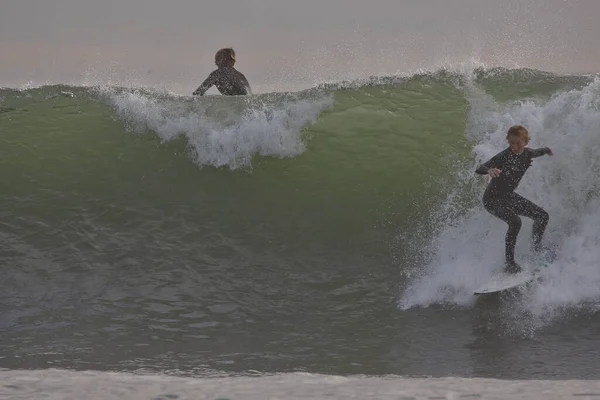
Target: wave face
<point>275,232</point>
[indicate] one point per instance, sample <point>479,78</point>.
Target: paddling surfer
<point>228,80</point>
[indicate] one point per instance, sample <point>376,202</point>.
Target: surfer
<point>226,78</point>
<point>499,199</point>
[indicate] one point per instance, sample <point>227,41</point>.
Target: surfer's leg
<point>502,209</point>
<point>540,217</point>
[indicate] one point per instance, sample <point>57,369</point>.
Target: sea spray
<point>468,251</point>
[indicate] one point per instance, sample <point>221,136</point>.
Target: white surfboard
<point>504,281</point>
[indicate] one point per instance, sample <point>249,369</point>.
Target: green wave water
<point>285,231</point>
<point>341,160</point>
<point>350,154</point>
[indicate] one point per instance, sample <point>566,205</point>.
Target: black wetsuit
<point>228,80</point>
<point>501,200</point>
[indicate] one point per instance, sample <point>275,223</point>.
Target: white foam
<point>467,251</point>
<point>224,131</point>
<point>59,384</point>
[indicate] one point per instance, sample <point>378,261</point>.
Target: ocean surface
<point>331,236</point>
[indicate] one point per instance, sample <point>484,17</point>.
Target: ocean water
<point>334,234</point>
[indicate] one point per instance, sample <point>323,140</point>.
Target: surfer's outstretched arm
<point>207,84</point>
<point>493,162</point>
<point>540,152</point>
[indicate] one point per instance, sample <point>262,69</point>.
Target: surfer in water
<point>506,169</point>
<point>228,80</point>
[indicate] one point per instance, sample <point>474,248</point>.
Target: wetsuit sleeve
<point>494,162</point>
<point>207,84</point>
<point>539,152</point>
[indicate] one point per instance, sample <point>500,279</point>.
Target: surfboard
<point>532,267</point>
<point>505,281</point>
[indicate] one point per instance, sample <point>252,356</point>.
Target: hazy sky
<point>285,44</point>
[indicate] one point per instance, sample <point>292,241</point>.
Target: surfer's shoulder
<point>502,154</point>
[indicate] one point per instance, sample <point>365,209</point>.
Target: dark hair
<point>225,57</point>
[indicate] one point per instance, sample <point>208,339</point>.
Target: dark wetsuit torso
<point>501,200</point>
<point>513,168</point>
<point>228,80</point>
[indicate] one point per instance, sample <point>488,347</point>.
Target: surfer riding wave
<point>506,170</point>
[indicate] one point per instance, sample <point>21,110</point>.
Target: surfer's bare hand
<point>550,153</point>
<point>494,172</point>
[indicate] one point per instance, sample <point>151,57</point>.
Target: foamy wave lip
<point>224,131</point>
<point>466,251</point>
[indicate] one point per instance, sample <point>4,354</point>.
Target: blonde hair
<point>518,131</point>
<point>225,57</point>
